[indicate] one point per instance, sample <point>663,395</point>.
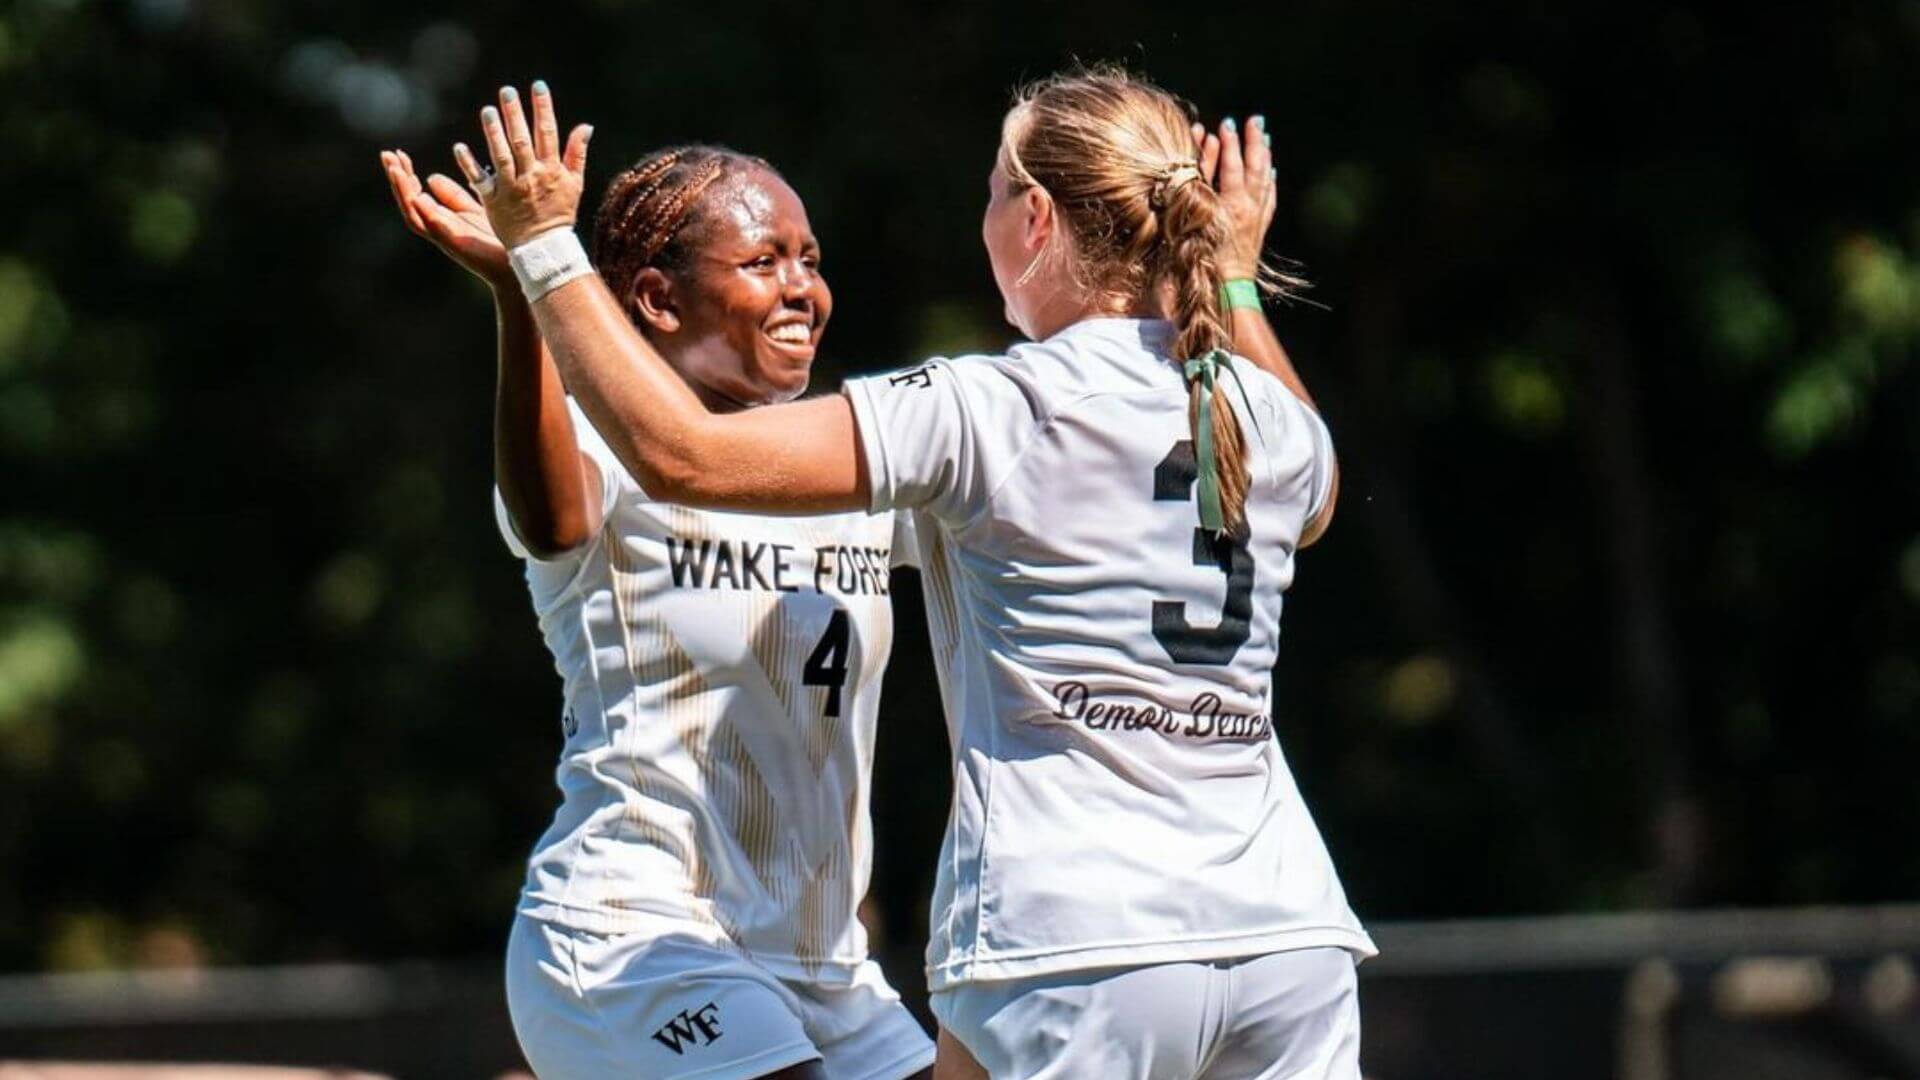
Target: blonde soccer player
<point>691,909</point>
<point>1130,884</point>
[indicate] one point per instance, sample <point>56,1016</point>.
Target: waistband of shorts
<point>835,971</point>
<point>981,967</point>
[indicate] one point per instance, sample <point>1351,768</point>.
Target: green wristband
<point>1239,293</point>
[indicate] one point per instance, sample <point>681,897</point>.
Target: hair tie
<point>1205,370</point>
<point>1172,179</point>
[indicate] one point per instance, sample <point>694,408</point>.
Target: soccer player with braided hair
<point>1108,515</point>
<point>691,909</point>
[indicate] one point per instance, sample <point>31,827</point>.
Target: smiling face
<point>751,305</point>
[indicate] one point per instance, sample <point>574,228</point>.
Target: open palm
<point>443,212</point>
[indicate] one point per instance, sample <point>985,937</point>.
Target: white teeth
<point>791,334</point>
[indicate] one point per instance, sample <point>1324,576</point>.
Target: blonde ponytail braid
<point>1193,229</point>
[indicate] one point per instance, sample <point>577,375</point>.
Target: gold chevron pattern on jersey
<point>655,658</point>
<point>734,726</point>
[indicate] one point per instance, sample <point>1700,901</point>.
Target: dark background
<point>1614,319</point>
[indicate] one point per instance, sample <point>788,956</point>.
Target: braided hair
<point>653,212</point>
<point>1116,154</point>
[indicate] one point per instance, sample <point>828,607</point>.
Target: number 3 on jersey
<point>828,665</point>
<point>1173,481</point>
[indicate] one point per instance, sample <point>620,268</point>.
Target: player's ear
<point>1040,223</point>
<point>653,300</point>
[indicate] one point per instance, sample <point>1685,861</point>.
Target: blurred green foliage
<point>1615,314</point>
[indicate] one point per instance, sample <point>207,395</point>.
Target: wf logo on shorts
<point>697,1026</point>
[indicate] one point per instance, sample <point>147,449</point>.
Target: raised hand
<point>1240,167</point>
<point>443,213</point>
<point>534,186</point>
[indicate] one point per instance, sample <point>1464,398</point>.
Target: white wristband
<point>549,261</point>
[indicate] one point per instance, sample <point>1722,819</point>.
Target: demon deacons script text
<point>722,675</point>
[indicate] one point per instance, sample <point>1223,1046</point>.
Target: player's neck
<point>1063,310</point>
<point>716,401</point>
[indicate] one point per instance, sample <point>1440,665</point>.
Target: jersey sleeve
<point>1303,428</point>
<point>906,539</point>
<point>921,438</point>
<point>599,457</point>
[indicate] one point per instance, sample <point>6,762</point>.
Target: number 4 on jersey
<point>828,665</point>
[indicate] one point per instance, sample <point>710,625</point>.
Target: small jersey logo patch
<point>700,1027</point>
<point>921,377</point>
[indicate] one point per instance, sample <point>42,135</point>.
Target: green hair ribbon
<point>1205,370</point>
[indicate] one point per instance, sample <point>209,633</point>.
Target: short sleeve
<point>1302,417</point>
<point>906,539</point>
<point>917,435</point>
<point>598,453</point>
<point>505,521</point>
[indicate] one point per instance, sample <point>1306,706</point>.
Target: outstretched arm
<point>551,490</point>
<point>797,458</point>
<point>1240,166</point>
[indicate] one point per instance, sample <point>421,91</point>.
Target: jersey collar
<point>1153,335</point>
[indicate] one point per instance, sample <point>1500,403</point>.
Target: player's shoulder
<point>1003,386</point>
<point>1283,428</point>
<point>1262,389</point>
<point>978,369</point>
<point>1093,357</point>
<point>1276,401</point>
<point>1099,355</point>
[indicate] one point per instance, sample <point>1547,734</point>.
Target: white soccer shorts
<point>596,1005</point>
<point>1292,1015</point>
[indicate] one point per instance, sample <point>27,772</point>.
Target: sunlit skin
<point>552,498</point>
<point>756,270</point>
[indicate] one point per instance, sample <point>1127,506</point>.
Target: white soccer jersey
<point>1119,795</point>
<point>722,674</point>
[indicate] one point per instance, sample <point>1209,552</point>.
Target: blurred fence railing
<point>1799,994</point>
<point>1561,942</point>
<point>1808,994</point>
